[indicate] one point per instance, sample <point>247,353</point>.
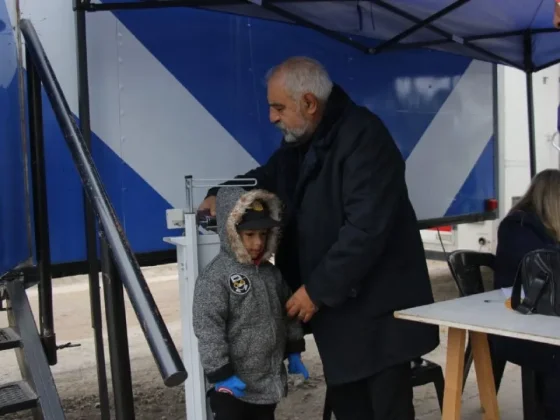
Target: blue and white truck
<point>180,91</point>
<point>170,99</point>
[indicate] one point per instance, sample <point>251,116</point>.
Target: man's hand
<point>556,19</point>
<point>300,305</point>
<point>209,204</point>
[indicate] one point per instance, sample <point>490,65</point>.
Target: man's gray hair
<point>304,75</point>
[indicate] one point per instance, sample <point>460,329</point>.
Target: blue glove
<point>296,366</point>
<point>233,386</point>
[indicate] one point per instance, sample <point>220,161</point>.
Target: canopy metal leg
<point>531,120</point>
<point>90,225</point>
<point>529,69</point>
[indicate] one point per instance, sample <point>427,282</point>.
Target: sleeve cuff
<point>310,289</point>
<point>296,346</point>
<point>220,374</point>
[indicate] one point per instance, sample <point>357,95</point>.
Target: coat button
<point>353,293</point>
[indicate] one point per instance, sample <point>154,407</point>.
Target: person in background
<point>244,334</point>
<point>533,223</point>
<point>351,248</point>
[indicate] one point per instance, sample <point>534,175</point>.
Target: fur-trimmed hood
<point>231,204</point>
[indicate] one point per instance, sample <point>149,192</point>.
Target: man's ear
<point>311,104</point>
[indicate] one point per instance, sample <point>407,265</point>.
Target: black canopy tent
<point>515,33</point>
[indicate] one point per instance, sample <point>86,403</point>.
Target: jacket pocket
<point>252,351</point>
<point>239,345</point>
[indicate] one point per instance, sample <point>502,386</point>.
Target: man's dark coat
<point>351,237</point>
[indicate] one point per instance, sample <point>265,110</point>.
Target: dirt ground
<point>76,378</point>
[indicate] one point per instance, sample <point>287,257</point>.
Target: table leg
<point>454,374</point>
<point>485,376</point>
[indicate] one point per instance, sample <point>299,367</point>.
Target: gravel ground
<point>75,374</point>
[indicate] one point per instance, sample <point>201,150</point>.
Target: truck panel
<point>178,92</point>
<point>14,238</point>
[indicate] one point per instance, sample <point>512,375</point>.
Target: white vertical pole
<point>187,257</point>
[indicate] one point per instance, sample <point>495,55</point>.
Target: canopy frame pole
<point>449,37</point>
<point>88,6</point>
<point>531,120</point>
<point>89,216</point>
<point>337,36</point>
<point>494,35</point>
<point>265,4</point>
<point>546,65</point>
<point>420,25</point>
<point>529,69</point>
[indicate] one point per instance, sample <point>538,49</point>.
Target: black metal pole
<point>160,341</point>
<point>90,227</point>
<point>529,68</point>
<point>40,210</point>
<point>118,339</point>
<point>158,4</point>
<point>531,120</point>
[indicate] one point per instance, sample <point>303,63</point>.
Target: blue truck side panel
<point>139,208</point>
<point>221,60</point>
<point>479,185</point>
<point>14,247</point>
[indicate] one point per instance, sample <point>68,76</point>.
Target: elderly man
<point>351,249</point>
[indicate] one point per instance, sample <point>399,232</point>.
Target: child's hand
<point>296,366</point>
<point>233,386</point>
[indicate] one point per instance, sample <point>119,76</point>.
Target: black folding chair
<point>466,269</point>
<point>425,372</point>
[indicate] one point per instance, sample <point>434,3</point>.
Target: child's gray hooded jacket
<point>239,312</point>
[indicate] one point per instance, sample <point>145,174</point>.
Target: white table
<point>481,314</point>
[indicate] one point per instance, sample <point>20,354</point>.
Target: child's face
<point>254,241</point>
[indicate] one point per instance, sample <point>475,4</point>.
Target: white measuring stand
<point>195,249</point>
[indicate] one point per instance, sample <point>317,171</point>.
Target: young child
<point>244,334</point>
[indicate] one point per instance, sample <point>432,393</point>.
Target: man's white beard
<point>294,135</point>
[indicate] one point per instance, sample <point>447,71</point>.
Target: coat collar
<point>316,148</point>
<point>337,104</point>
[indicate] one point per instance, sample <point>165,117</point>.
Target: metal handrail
<point>161,344</point>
